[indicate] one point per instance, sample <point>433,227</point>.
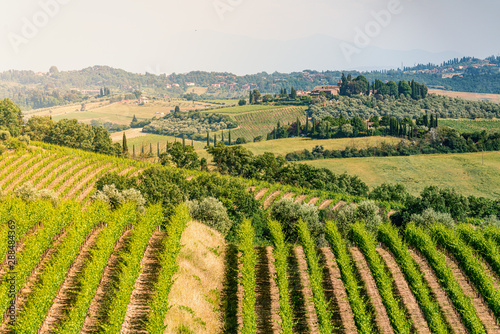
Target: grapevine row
<point>367,244</point>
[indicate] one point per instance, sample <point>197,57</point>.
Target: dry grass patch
<point>195,295</point>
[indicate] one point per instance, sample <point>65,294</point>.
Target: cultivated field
<point>261,122</point>
<point>463,172</point>
<point>288,145</point>
<point>120,112</point>
<point>467,95</point>
<point>469,125</point>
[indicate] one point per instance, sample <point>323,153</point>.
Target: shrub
<point>211,212</point>
<point>3,148</point>
<point>24,139</point>
<point>121,182</point>
<point>366,212</point>
<point>28,193</point>
<point>49,195</point>
<point>289,213</point>
<point>430,217</point>
<point>4,135</point>
<point>15,144</point>
<point>116,198</point>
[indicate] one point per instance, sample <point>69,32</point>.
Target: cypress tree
<point>432,121</point>
<point>222,137</point>
<point>124,144</point>
<point>298,127</point>
<point>183,140</point>
<point>229,137</point>
<point>133,151</point>
<point>167,146</point>
<point>192,143</point>
<point>307,125</point>
<point>215,139</point>
<point>142,148</point>
<point>208,139</point>
<point>426,120</point>
<point>436,122</point>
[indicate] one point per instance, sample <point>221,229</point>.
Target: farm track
<point>410,302</point>
<point>335,290</point>
<point>20,177</point>
<point>97,312</point>
<point>450,314</point>
<point>312,318</point>
<point>339,205</point>
<point>68,291</point>
<point>483,312</point>
<point>381,317</point>
<point>138,308</point>
<point>34,277</point>
<point>266,292</point>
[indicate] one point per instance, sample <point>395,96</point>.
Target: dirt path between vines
<point>312,318</point>
<point>97,313</point>
<point>69,290</point>
<point>34,277</point>
<point>339,292</point>
<point>270,199</point>
<point>20,177</point>
<point>381,317</point>
<point>266,293</point>
<point>450,314</point>
<point>480,305</point>
<point>409,300</point>
<point>138,308</point>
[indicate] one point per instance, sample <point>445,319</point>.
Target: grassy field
<point>288,145</point>
<point>470,125</point>
<point>463,172</point>
<point>467,95</point>
<point>120,112</point>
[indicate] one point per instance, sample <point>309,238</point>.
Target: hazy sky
<point>165,35</point>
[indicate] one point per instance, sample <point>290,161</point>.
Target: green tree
<point>242,102</point>
<point>181,156</point>
<point>11,117</point>
<point>124,144</point>
<point>404,88</point>
<point>39,127</point>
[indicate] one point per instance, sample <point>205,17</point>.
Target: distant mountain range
<point>239,54</point>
